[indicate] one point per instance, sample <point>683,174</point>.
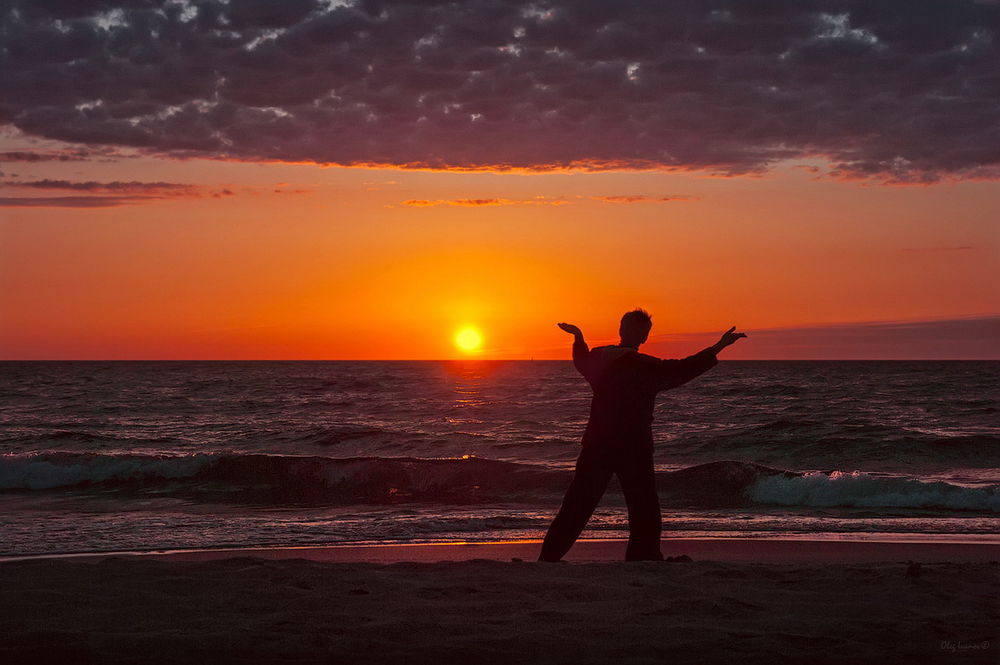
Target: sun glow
<point>468,339</point>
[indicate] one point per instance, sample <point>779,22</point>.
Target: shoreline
<point>734,550</point>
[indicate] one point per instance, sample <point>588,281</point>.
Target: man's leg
<point>638,480</point>
<point>584,493</point>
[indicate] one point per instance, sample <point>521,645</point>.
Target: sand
<point>816,605</point>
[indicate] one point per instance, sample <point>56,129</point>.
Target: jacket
<point>625,384</point>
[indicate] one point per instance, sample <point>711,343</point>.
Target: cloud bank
<point>968,338</point>
<point>115,187</point>
<point>540,200</point>
<point>485,202</point>
<point>896,90</point>
<point>71,201</point>
<point>641,198</point>
<point>105,194</point>
<point>70,155</point>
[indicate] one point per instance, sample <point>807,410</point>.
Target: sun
<point>468,339</point>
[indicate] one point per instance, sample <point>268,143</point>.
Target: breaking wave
<point>280,480</point>
<point>863,490</point>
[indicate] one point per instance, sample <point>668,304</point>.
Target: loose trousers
<point>594,467</point>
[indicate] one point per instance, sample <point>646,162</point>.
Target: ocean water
<point>125,456</point>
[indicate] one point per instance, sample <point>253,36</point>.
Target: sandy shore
<point>589,551</point>
<point>811,607</point>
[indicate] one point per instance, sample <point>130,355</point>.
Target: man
<point>619,437</point>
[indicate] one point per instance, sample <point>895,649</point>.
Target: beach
<point>736,601</point>
<point>367,512</point>
<point>323,322</point>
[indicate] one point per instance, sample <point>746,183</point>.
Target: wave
<point>68,437</point>
<point>824,444</point>
<point>328,435</point>
<point>757,389</point>
<point>277,480</point>
<point>863,490</point>
<point>332,436</point>
<point>282,479</point>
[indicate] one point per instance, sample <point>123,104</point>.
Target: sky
<point>365,180</point>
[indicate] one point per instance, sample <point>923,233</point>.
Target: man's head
<point>635,327</point>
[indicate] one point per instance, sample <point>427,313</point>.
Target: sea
<point>154,456</point>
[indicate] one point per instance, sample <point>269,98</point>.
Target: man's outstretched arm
<point>729,337</point>
<point>674,373</point>
<point>580,349</point>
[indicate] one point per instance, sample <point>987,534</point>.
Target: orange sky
<point>345,269</point>
<point>822,175</point>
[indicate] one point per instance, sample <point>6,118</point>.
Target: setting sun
<point>468,339</point>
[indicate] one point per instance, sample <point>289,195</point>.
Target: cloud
<point>640,198</point>
<point>953,248</point>
<point>973,337</point>
<point>69,155</point>
<point>166,188</point>
<point>71,201</point>
<point>108,194</point>
<point>887,91</point>
<point>475,203</point>
<point>540,200</point>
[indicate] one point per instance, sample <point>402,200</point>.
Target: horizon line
<point>437,360</point>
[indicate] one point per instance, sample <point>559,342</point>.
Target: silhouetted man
<point>619,436</point>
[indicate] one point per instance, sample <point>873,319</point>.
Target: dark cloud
<point>973,337</point>
<point>167,188</point>
<point>948,248</point>
<point>896,90</point>
<point>108,194</point>
<point>70,201</point>
<point>72,155</point>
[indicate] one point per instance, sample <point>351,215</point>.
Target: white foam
<point>863,490</point>
<point>47,471</point>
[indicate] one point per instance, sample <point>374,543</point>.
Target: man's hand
<point>728,337</point>
<point>571,329</point>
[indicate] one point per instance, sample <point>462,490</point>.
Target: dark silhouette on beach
<point>619,437</point>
